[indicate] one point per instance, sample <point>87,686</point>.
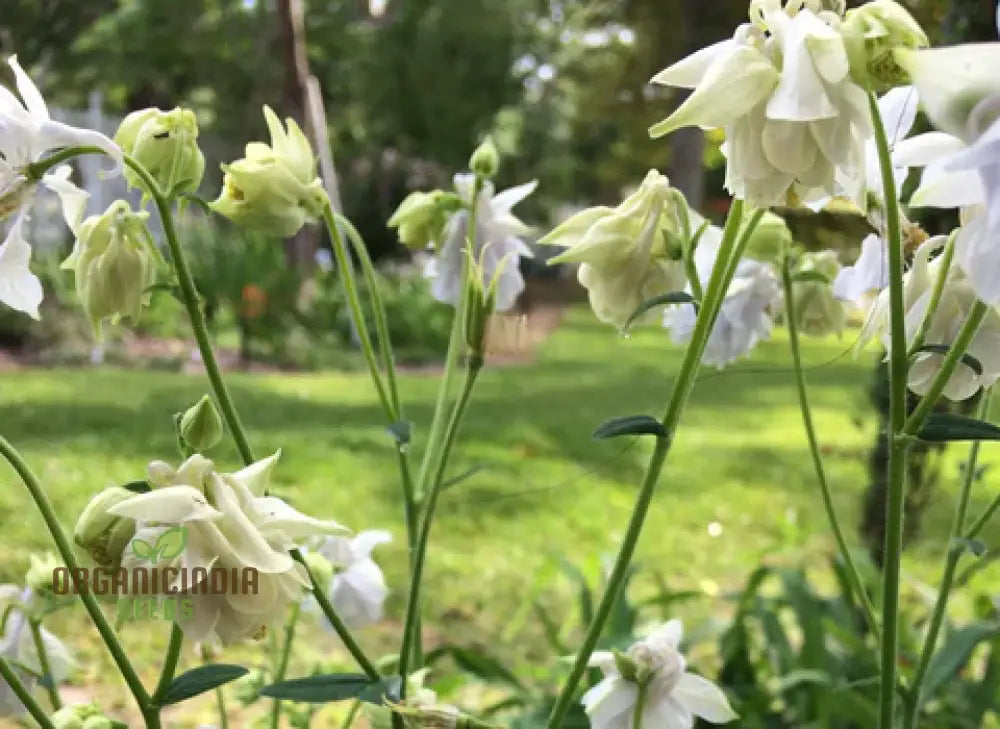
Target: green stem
<point>983,519</point>
<point>952,556</point>
<point>36,170</point>
<point>898,447</point>
<point>286,653</point>
<point>640,705</point>
<point>939,282</point>
<point>351,714</point>
<point>44,506</point>
<point>51,687</point>
<point>10,677</point>
<point>831,513</point>
<point>220,702</point>
<point>189,293</point>
<point>338,625</point>
<point>948,365</point>
<point>410,624</point>
<point>733,244</point>
<point>169,664</point>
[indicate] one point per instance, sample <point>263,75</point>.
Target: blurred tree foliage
<point>563,84</point>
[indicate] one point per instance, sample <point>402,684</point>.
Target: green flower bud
<point>274,189</point>
<point>485,161</point>
<point>101,534</point>
<point>626,666</point>
<point>40,569</point>
<point>81,716</point>
<point>480,303</point>
<point>201,425</point>
<point>817,312</point>
<point>421,217</point>
<point>115,262</point>
<point>320,567</point>
<point>166,144</point>
<point>872,32</point>
<point>770,239</point>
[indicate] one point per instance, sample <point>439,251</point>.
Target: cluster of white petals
<point>498,243</point>
<point>357,589</point>
<point>782,90</point>
<point>230,522</point>
<point>672,697</point>
<point>27,133</point>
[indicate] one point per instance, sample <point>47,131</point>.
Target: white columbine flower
<point>17,646</point>
<point>673,696</point>
<point>781,88</point>
<point>870,273</point>
<point>957,300</point>
<point>228,522</point>
<point>627,254</point>
<point>498,242</point>
<point>744,318</point>
<point>27,133</point>
<point>357,589</point>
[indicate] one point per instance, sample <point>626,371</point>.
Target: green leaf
<point>629,425</point>
<point>143,550</point>
<point>400,432</point>
<point>455,480</point>
<point>674,297</point>
<point>976,546</point>
<point>199,680</point>
<point>482,666</point>
<point>944,427</point>
<point>971,362</point>
<point>171,543</point>
<point>810,277</point>
<point>334,687</point>
<point>955,654</point>
<point>139,487</point>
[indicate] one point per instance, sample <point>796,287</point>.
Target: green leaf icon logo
<point>171,543</point>
<point>143,550</point>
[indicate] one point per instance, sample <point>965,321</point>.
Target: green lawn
<point>546,488</point>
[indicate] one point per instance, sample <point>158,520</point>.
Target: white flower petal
<point>256,477</point>
<point>504,202</point>
<point>273,514</point>
<point>171,505</point>
<point>33,100</point>
<point>20,289</point>
<point>703,698</point>
<point>72,198</point>
<point>363,544</point>
<point>688,72</point>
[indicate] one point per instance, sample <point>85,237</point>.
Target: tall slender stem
<point>952,555</point>
<point>898,446</point>
<point>983,519</point>
<point>410,624</point>
<point>733,244</point>
<point>49,681</point>
<point>338,625</point>
<point>10,677</point>
<point>824,487</point>
<point>189,293</point>
<point>170,660</point>
<point>107,634</point>
<point>286,653</point>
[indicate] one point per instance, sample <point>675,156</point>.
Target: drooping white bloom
<point>870,273</point>
<point>781,88</point>
<point>744,318</point>
<point>498,243</point>
<point>624,252</point>
<point>957,300</point>
<point>673,695</point>
<point>228,522</point>
<point>27,132</point>
<point>357,589</point>
<point>17,646</point>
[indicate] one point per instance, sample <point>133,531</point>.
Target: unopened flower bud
<point>872,32</point>
<point>39,575</point>
<point>770,239</point>
<point>626,667</point>
<point>166,144</point>
<point>274,189</point>
<point>115,262</point>
<point>320,567</point>
<point>101,534</point>
<point>421,218</point>
<point>485,161</point>
<point>437,716</point>
<point>201,425</point>
<point>817,312</point>
<point>81,716</point>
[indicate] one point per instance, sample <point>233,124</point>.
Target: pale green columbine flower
<point>672,696</point>
<point>27,133</point>
<point>230,523</point>
<point>166,144</point>
<point>82,716</point>
<point>115,262</point>
<point>817,311</point>
<point>873,31</point>
<point>421,218</point>
<point>273,189</point>
<point>628,254</point>
<point>101,534</point>
<point>781,88</point>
